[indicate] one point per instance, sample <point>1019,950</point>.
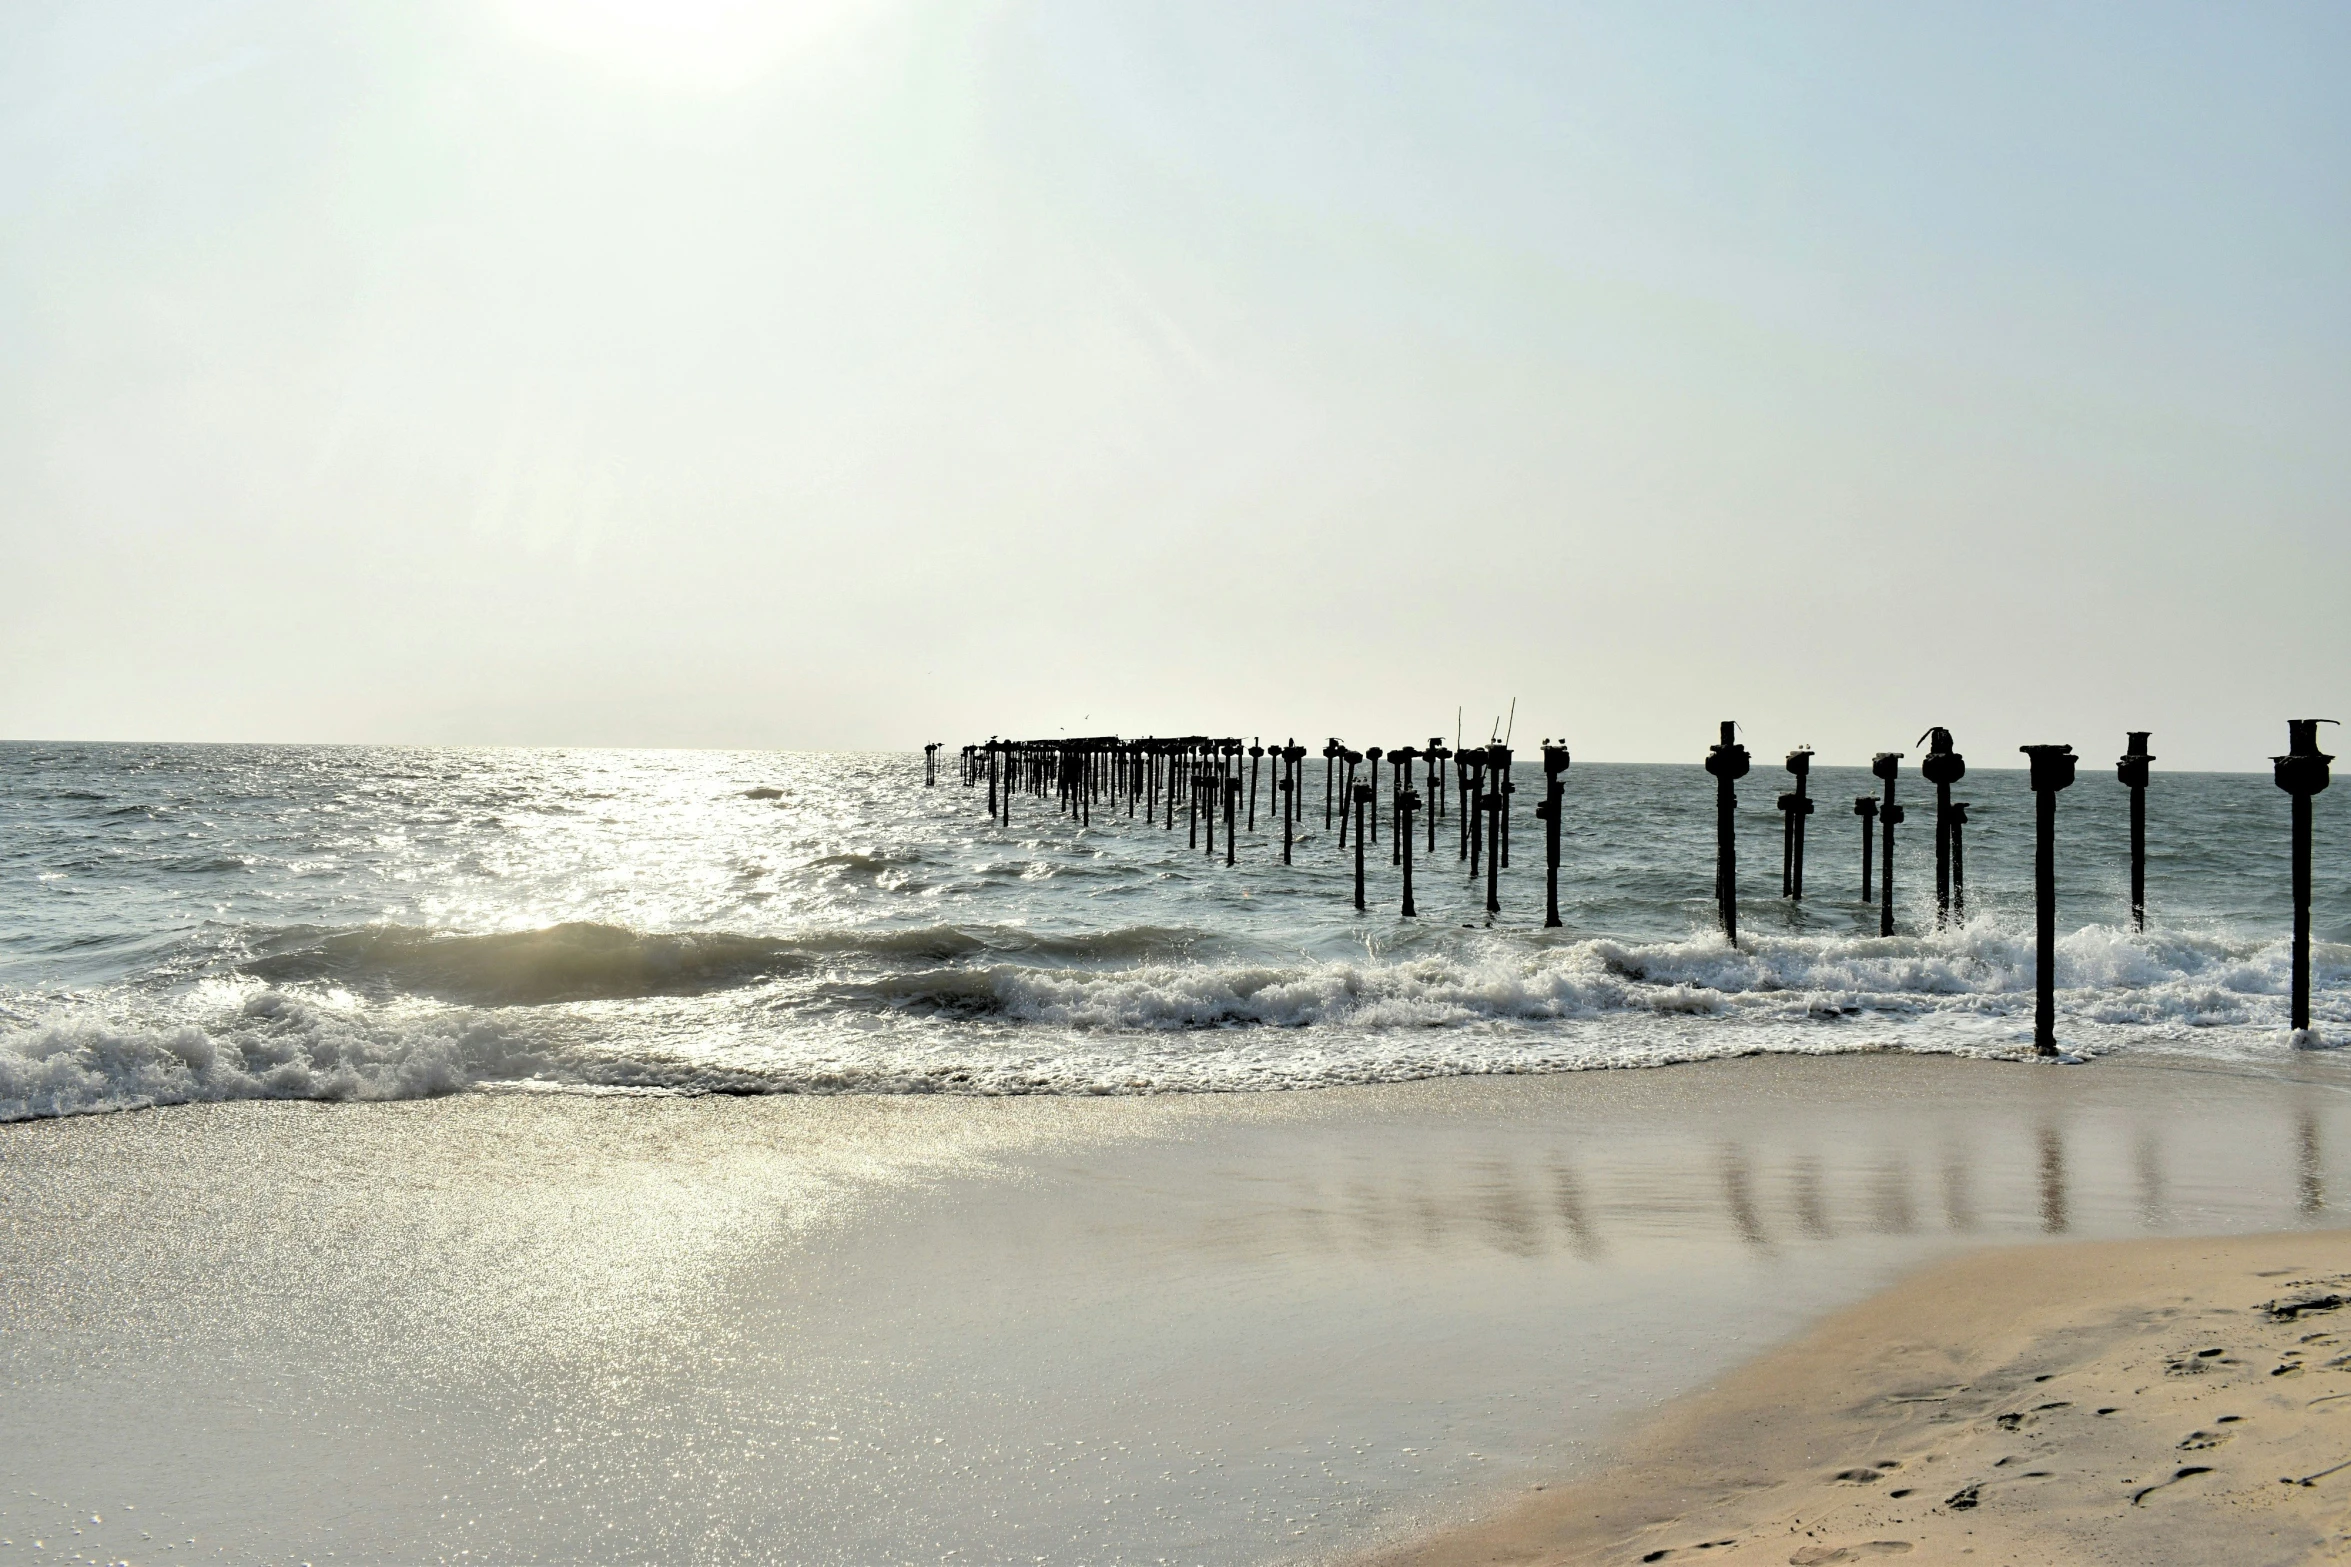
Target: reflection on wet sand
<point>2052,1181</point>
<point>2152,1206</point>
<point>1958,1193</point>
<point>1739,1191</point>
<point>2308,1170</point>
<point>1585,1196</point>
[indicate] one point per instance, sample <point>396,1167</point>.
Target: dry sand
<point>2139,1402</point>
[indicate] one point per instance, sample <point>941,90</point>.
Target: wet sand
<point>2140,1403</point>
<point>1253,1328</point>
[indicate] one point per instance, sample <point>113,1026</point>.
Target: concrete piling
<point>2131,771</point>
<point>1727,760</point>
<point>1942,767</point>
<point>1554,764</point>
<point>2303,773</point>
<point>1888,766</point>
<point>2052,770</point>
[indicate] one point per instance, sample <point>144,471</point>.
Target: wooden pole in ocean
<point>1256,756</point>
<point>2052,770</point>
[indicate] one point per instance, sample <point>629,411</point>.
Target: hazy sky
<point>832,373</point>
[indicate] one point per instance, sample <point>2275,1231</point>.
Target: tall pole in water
<point>1362,796</point>
<point>1795,806</point>
<point>1887,765</point>
<point>1232,802</point>
<point>1437,757</point>
<point>1492,801</point>
<point>1866,807</point>
<point>1727,760</point>
<point>1942,767</point>
<point>1400,760</point>
<point>2052,770</point>
<point>2131,770</point>
<point>1349,760</point>
<point>1501,754</point>
<point>1256,756</point>
<point>2303,773</point>
<point>1554,763</point>
<point>1407,801</point>
<point>1959,860</point>
<point>1372,754</point>
<point>1287,789</point>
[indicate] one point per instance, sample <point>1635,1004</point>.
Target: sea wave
<point>401,1013</point>
<point>585,961</point>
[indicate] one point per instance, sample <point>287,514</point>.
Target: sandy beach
<point>2143,1402</point>
<point>1217,1328</point>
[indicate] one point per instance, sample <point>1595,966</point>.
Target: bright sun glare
<point>688,43</point>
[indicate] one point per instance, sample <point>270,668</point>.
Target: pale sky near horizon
<point>845,373</point>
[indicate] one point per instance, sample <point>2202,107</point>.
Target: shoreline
<point>1225,1329</point>
<point>2158,1401</point>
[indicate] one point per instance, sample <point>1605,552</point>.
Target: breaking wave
<point>584,961</point>
<point>402,1013</point>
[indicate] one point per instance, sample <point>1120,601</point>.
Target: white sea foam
<point>1082,1025</point>
<point>379,925</point>
<point>285,1050</point>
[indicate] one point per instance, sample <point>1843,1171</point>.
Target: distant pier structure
<point>1213,784</point>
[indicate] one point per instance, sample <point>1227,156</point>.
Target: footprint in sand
<point>2197,1441</point>
<point>2189,1473</point>
<point>1821,1555</point>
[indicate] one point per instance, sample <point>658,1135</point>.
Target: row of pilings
<point>1215,786</point>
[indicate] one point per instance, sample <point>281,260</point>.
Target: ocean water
<point>190,923</point>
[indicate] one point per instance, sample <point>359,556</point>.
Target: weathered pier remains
<point>2131,771</point>
<point>2303,773</point>
<point>2052,769</point>
<point>1202,779</point>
